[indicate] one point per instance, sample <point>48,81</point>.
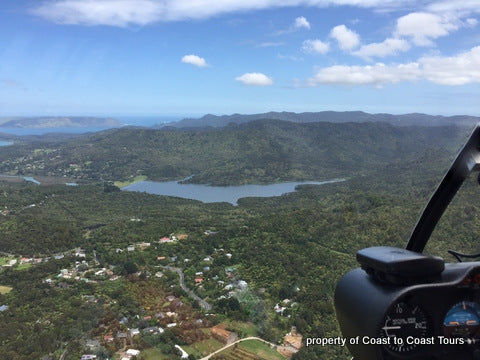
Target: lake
<point>209,194</point>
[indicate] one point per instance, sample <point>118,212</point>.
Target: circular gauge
<point>462,320</point>
<point>402,324</point>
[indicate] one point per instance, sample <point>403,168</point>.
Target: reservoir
<point>208,194</point>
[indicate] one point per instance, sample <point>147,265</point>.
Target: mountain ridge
<point>216,121</point>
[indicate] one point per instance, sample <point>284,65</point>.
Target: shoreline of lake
<point>210,194</point>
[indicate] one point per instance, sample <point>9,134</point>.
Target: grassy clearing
<point>244,329</point>
<point>139,178</point>
<point>5,289</point>
<point>4,260</point>
<point>23,266</point>
<point>153,354</point>
<point>203,348</point>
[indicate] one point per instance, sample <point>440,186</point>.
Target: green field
<point>203,348</point>
<point>153,354</point>
<point>139,178</point>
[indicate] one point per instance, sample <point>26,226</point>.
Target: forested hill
<point>256,152</point>
<point>327,116</point>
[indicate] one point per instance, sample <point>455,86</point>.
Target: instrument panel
<point>436,320</point>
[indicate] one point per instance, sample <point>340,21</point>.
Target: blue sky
<point>167,57</point>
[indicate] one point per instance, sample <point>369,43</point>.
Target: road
<point>236,342</point>
<point>179,271</point>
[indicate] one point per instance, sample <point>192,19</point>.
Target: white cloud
<point>424,27</point>
<point>100,12</point>
<point>390,46</point>
<point>454,7</point>
<point>194,60</point>
<point>347,39</point>
<point>378,74</point>
<point>315,46</point>
<point>301,22</point>
<point>453,71</point>
<point>256,79</point>
<point>142,12</point>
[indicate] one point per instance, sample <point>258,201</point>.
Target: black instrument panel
<point>437,320</point>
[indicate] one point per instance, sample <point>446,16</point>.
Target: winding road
<point>236,342</point>
<point>179,271</point>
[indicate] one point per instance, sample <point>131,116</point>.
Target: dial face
<point>462,320</point>
<point>403,321</point>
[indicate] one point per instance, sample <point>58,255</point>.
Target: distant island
<point>57,122</point>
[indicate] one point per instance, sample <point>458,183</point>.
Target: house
<point>25,260</point>
<point>279,309</point>
<point>108,338</point>
<point>80,253</point>
<point>160,258</point>
<point>198,280</point>
<point>130,248</point>
<point>144,245</point>
<point>132,352</point>
<point>170,298</point>
<point>153,330</point>
<point>134,332</point>
<point>88,357</point>
<point>121,335</point>
<point>3,308</point>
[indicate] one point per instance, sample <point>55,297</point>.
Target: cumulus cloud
<point>256,79</point>
<point>301,22</point>
<point>453,71</point>
<point>346,38</point>
<point>315,46</point>
<point>390,46</point>
<point>194,60</point>
<point>378,74</point>
<point>422,28</point>
<point>124,13</point>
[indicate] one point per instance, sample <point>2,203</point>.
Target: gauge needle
<point>391,327</point>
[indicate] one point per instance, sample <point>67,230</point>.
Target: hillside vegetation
<point>257,152</point>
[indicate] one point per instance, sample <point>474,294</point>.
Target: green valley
<point>100,276</point>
